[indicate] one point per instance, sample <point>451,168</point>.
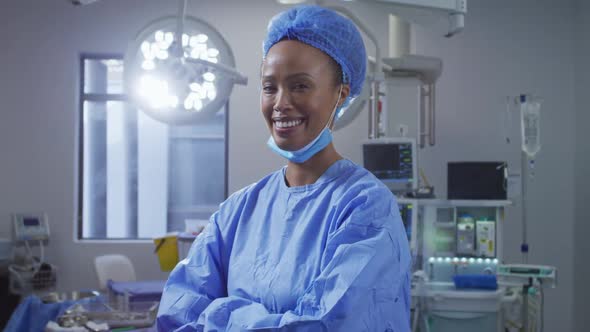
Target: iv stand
<point>524,247</point>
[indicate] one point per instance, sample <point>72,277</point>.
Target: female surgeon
<point>318,245</point>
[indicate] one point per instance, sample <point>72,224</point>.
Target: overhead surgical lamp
<point>179,70</point>
<point>428,69</point>
<point>454,10</point>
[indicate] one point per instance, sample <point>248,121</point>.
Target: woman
<point>318,245</point>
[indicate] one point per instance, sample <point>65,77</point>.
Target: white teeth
<point>287,124</point>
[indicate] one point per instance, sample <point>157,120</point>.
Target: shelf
<point>447,224</point>
<point>464,203</point>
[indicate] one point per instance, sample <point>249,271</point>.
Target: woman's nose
<point>282,101</point>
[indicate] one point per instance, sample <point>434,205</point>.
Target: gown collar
<point>336,170</point>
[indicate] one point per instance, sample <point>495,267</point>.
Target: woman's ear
<point>344,93</point>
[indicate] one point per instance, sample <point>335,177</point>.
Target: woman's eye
<point>300,86</point>
<point>268,89</point>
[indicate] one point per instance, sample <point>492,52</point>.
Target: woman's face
<point>299,93</point>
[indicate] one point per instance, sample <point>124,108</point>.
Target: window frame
<point>80,153</point>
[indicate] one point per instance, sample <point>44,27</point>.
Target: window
<point>140,178</point>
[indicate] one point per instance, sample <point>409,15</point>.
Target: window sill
<point>114,241</point>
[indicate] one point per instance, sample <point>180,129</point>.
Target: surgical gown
<point>329,256</point>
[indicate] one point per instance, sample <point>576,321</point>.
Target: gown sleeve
<point>194,283</point>
<point>365,264</point>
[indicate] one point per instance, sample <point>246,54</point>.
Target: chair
<point>113,267</point>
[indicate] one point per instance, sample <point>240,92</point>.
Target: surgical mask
<point>315,146</point>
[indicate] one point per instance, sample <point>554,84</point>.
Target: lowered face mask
<point>315,146</point>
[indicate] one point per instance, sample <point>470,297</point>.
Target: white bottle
<point>465,235</point>
<point>486,238</point>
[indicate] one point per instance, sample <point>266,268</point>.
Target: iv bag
<point>530,113</point>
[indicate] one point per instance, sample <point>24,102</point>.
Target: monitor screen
<point>476,180</point>
<point>392,163</point>
<point>28,222</point>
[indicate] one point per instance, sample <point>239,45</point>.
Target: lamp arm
<point>231,73</point>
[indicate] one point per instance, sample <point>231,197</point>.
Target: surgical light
<point>453,10</point>
<point>179,70</point>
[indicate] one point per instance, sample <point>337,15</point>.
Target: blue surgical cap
<point>327,31</point>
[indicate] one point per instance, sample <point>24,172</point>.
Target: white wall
<point>508,47</point>
<point>582,168</point>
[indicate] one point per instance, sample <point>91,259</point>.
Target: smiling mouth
<point>284,124</point>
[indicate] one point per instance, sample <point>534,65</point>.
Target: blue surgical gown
<point>329,256</point>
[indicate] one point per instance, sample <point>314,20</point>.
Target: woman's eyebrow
<point>290,76</point>
<point>299,75</point>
